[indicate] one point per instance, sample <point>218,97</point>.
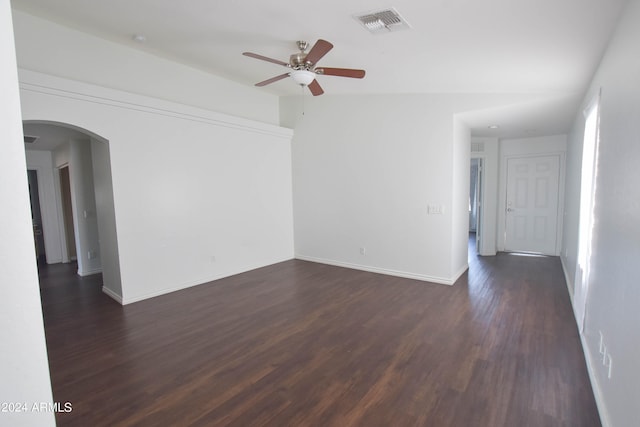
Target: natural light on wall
<point>587,199</point>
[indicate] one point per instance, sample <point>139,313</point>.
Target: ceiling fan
<point>303,66</point>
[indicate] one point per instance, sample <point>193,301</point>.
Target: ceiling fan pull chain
<point>302,89</point>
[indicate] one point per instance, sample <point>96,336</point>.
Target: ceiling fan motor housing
<point>297,61</point>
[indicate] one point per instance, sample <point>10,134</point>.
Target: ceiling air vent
<point>383,21</point>
<point>30,139</point>
<point>477,147</point>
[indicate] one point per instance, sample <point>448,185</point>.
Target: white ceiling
<point>50,136</point>
<point>543,51</point>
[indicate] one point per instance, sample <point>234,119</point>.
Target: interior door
<point>532,204</point>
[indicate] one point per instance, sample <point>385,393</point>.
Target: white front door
<point>532,204</point>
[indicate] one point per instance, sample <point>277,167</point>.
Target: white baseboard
<point>389,272</point>
<point>165,291</point>
<point>595,387</point>
<point>84,273</point>
<point>113,295</point>
<point>491,253</point>
<point>567,279</point>
<point>460,273</point>
<point>597,393</point>
<point>199,282</point>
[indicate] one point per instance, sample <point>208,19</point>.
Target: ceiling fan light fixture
<point>303,77</point>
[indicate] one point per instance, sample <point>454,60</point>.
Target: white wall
<point>61,155</point>
<point>214,156</point>
<point>42,162</point>
<point>489,220</point>
<point>23,360</point>
<point>83,199</point>
<point>544,145</point>
<point>614,293</point>
<point>365,170</point>
<point>105,210</point>
<point>188,184</point>
<point>460,198</point>
<point>57,50</point>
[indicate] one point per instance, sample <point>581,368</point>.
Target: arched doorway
<point>73,172</point>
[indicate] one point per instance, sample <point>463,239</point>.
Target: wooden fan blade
<point>264,58</point>
<point>273,79</point>
<point>315,88</point>
<point>320,49</point>
<point>341,72</point>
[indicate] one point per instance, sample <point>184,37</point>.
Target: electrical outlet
<point>363,251</point>
<point>434,209</point>
<point>212,259</point>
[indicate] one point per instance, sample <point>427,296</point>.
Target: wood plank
<point>305,344</point>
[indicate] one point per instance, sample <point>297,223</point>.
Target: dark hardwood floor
<point>304,344</point>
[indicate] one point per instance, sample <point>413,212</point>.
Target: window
<point>587,201</point>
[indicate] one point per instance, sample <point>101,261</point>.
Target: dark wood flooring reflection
<point>304,344</point>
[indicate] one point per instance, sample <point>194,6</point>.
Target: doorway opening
<point>76,197</point>
<point>67,213</point>
<point>475,201</point>
<point>36,216</point>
